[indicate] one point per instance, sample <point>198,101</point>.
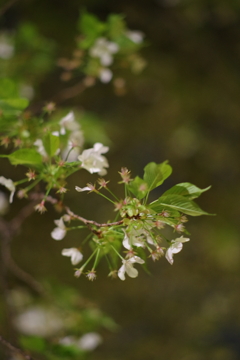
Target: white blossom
<point>75,255</point>
<point>128,267</point>
<point>40,148</point>
<point>39,321</point>
<point>175,247</point>
<point>135,36</point>
<point>60,231</point>
<point>93,161</point>
<point>105,75</point>
<point>131,239</point>
<point>89,341</point>
<point>68,122</point>
<point>9,184</point>
<point>103,49</point>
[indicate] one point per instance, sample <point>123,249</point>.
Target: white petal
<point>121,272</point>
<point>130,270</point>
<point>136,259</point>
<point>86,188</point>
<point>169,256</point>
<point>89,341</point>
<point>58,233</point>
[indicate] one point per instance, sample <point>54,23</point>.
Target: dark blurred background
<point>184,107</point>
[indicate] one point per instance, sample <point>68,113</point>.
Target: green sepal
<point>155,174</point>
<point>186,189</point>
<point>179,203</point>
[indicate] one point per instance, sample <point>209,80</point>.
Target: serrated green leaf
<point>186,189</point>
<point>138,187</point>
<point>155,174</point>
<point>51,144</point>
<point>25,157</point>
<point>179,203</point>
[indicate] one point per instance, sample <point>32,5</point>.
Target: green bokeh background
<point>184,107</point>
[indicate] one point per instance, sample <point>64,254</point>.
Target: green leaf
<point>179,203</point>
<point>155,174</point>
<point>138,187</point>
<point>25,157</point>
<point>13,106</point>
<point>91,28</point>
<point>51,144</point>
<point>33,343</point>
<point>116,26</point>
<point>186,189</point>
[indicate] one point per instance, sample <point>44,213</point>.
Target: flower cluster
<point>139,231</point>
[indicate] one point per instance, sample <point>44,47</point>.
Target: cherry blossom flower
<point>93,161</point>
<point>9,184</point>
<point>131,239</point>
<point>103,49</point>
<point>60,231</point>
<point>40,148</point>
<point>105,75</point>
<point>175,247</point>
<point>128,267</point>
<point>75,255</point>
<point>135,36</point>
<point>68,122</point>
<point>86,188</point>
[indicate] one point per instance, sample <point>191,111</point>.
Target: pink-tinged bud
<point>179,227</point>
<point>50,107</point>
<point>5,141</point>
<point>40,207</point>
<point>17,142</point>
<point>78,273</point>
<point>62,190</point>
<point>22,194</point>
<point>159,224</point>
<point>164,214</point>
<point>91,275</point>
<point>125,175</point>
<point>103,183</point>
<point>31,175</point>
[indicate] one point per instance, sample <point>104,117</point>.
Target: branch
<point>7,6</point>
<point>92,222</point>
<point>14,349</point>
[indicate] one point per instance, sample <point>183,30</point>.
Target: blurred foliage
<point>184,107</point>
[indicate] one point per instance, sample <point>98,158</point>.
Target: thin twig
<point>7,6</point>
<point>14,349</point>
<point>85,221</point>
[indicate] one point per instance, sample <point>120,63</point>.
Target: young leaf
<point>138,187</point>
<point>186,189</point>
<point>91,28</point>
<point>179,203</point>
<point>155,174</point>
<point>13,106</point>
<point>25,157</point>
<point>51,144</point>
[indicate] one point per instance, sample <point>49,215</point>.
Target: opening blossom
<point>93,161</point>
<point>128,268</point>
<point>60,231</point>
<point>9,184</point>
<point>75,255</point>
<point>175,247</point>
<point>103,49</point>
